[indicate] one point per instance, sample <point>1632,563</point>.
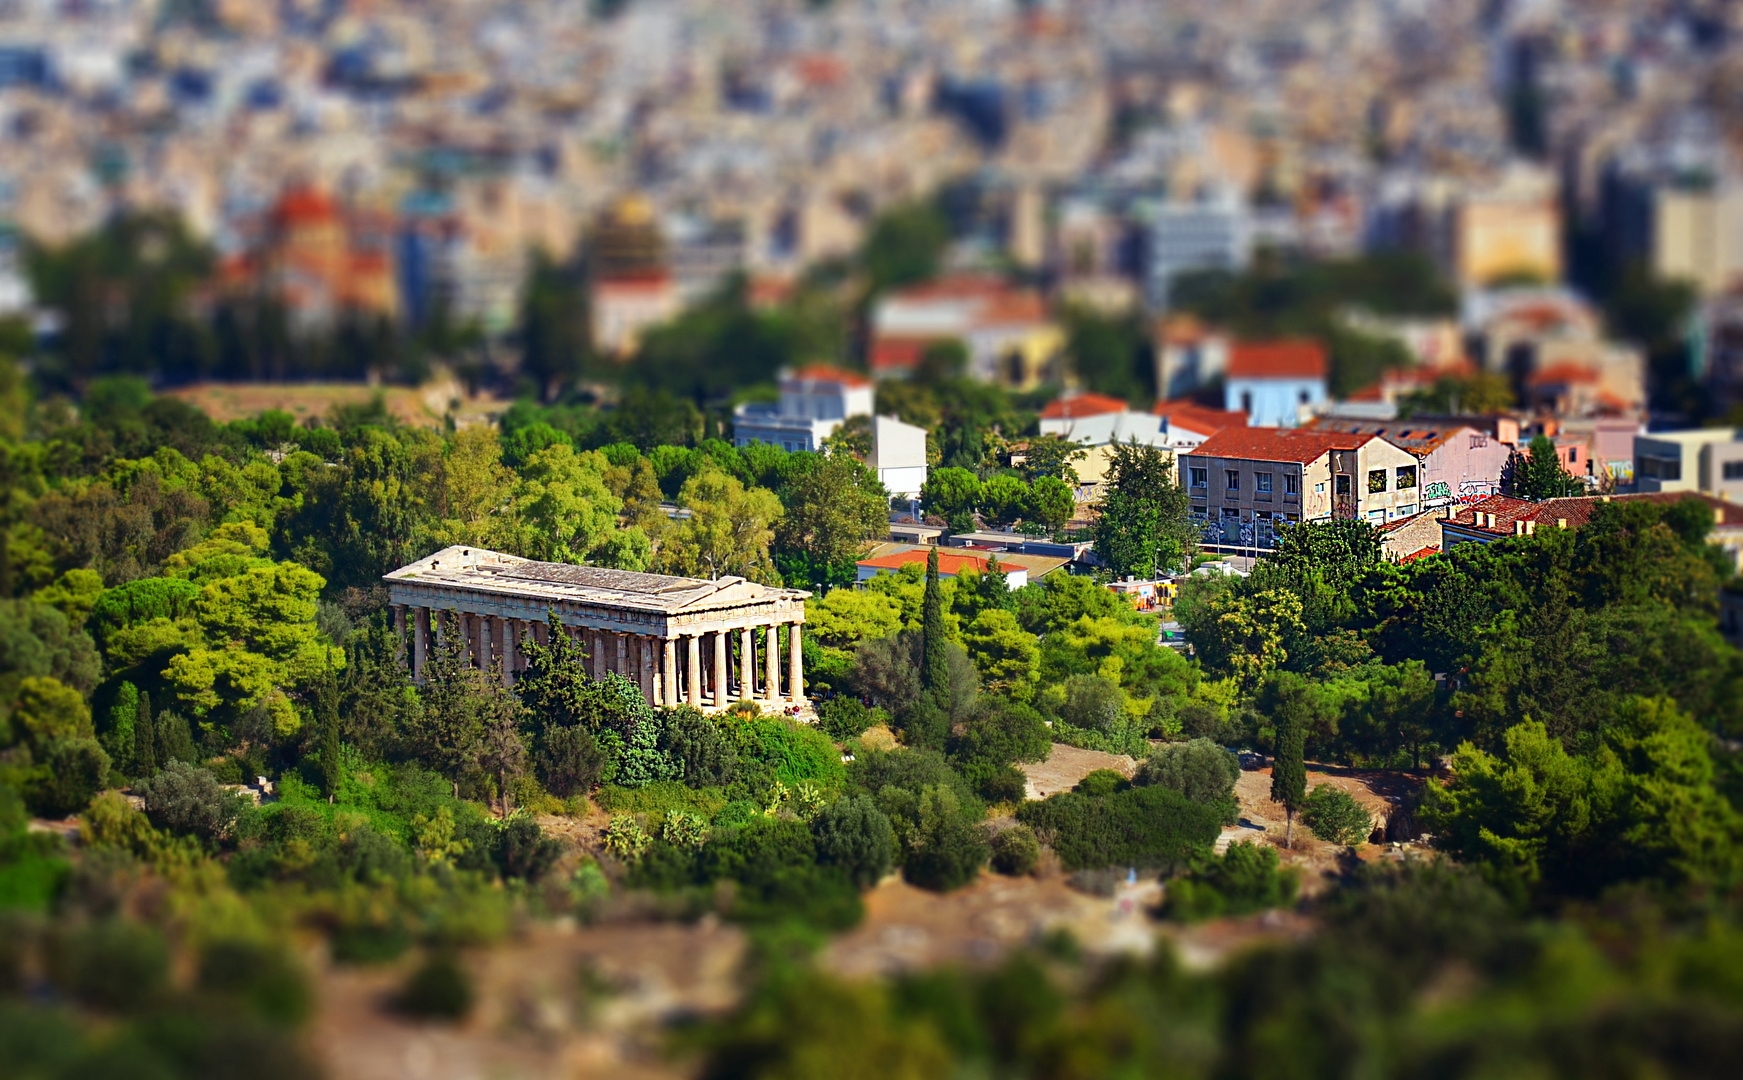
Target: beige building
<point>1512,228</point>
<point>674,637</point>
<point>1706,460</point>
<point>1698,236</point>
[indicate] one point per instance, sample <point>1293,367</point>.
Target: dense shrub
<point>874,770</point>
<point>1245,879</point>
<point>845,717</point>
<point>262,977</point>
<point>1016,851</point>
<point>440,989</point>
<point>1147,826</point>
<point>69,773</point>
<point>189,802</point>
<point>1003,784</point>
<point>112,964</point>
<point>1335,816</point>
<point>522,850</point>
<point>943,844</point>
<point>1102,782</point>
<point>703,754</point>
<point>854,834</point>
<point>662,798</point>
<point>569,761</point>
<point>780,876</point>
<point>1200,770</point>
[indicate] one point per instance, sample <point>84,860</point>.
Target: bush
<point>854,834</point>
<point>1005,784</point>
<point>661,799</point>
<point>1245,879</point>
<point>790,751</point>
<point>189,802</point>
<point>625,839</point>
<point>69,775</point>
<point>1335,816</point>
<point>843,718</point>
<point>262,977</point>
<point>113,964</point>
<point>1147,827</point>
<point>1200,770</point>
<point>873,771</point>
<point>569,761</point>
<point>1002,732</point>
<point>1016,851</point>
<point>522,850</point>
<point>682,830</point>
<point>944,847</point>
<point>1093,703</point>
<point>704,755</point>
<point>1102,782</point>
<point>440,989</point>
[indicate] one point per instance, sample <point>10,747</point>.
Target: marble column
<point>693,656</point>
<point>720,669</point>
<point>747,665</point>
<point>463,637</point>
<point>644,662</point>
<point>795,665</point>
<point>772,662</point>
<point>486,643</point>
<point>669,671</point>
<point>398,632</point>
<point>596,653</point>
<point>505,634</point>
<point>621,647</point>
<point>420,641</point>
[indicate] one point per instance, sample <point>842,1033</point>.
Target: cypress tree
<point>327,719</point>
<point>144,739</point>
<point>1289,769</point>
<point>934,667</point>
<point>118,740</point>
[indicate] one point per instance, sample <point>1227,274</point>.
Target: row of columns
<point>669,670</point>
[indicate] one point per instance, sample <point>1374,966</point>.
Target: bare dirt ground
<point>427,404</point>
<point>1066,765</point>
<point>1264,821</point>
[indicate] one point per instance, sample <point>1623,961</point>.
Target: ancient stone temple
<point>671,635</point>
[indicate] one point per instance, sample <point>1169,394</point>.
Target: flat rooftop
<point>495,573</point>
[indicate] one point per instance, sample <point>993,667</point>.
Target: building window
<point>1234,476</point>
<point>1479,442</point>
<point>1376,481</point>
<point>1198,477</point>
<point>1247,401</point>
<point>1343,484</point>
<point>1405,477</point>
<point>1292,484</point>
<point>1378,517</point>
<point>1262,483</point>
<point>1406,511</point>
<point>1733,470</point>
<point>1319,489</point>
<point>1303,397</point>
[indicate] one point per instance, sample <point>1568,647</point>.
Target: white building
<point>1213,232</point>
<point>814,402</point>
<point>898,456</point>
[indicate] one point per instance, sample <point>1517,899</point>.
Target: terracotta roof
<point>1576,511</point>
<point>1014,307</point>
<point>1290,359</point>
<point>897,353</point>
<point>1274,444</point>
<point>949,563</point>
<point>638,282</point>
<point>1421,553</point>
<point>1565,372</point>
<point>825,373</point>
<point>1198,417</point>
<point>304,206</point>
<point>1421,438</point>
<point>1079,405</point>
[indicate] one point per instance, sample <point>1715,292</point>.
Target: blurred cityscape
<point>1539,191</point>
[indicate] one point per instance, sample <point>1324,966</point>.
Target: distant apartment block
<point>1508,229</point>
<point>1006,330</point>
<point>1707,460</point>
<point>1458,463</point>
<point>814,401</point>
<point>1213,232</point>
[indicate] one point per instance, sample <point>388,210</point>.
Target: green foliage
<point>904,246</point>
<point>1244,879</point>
<point>1139,826</point>
<point>683,830</point>
<point>1016,851</point>
<point>625,838</point>
<point>1539,474</point>
<point>833,508</point>
<point>1142,527</point>
<point>439,989</point>
<point>188,802</point>
<point>1200,770</point>
<point>943,846</point>
<point>854,834</point>
<point>844,718</point>
<point>660,799</point>
<point>1335,816</point>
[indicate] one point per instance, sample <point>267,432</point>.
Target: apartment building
<point>1244,483</point>
<point>1708,460</point>
<point>814,402</point>
<point>1459,462</point>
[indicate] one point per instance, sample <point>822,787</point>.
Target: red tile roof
<point>1275,444</point>
<point>825,373</point>
<point>1191,414</point>
<point>949,563</point>
<point>889,354</point>
<point>1566,372</point>
<point>1079,405</point>
<point>1576,511</point>
<point>1290,359</point>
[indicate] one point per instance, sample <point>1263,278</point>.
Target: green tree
<point>833,509</point>
<point>501,751</point>
<point>1051,502</point>
<point>1335,816</point>
<point>1008,656</point>
<point>934,665</point>
<point>1200,770</point>
<point>444,733</point>
<point>553,321</point>
<point>1288,768</point>
<point>1003,500</point>
<point>327,724</point>
<point>560,510</point>
<point>952,494</point>
<point>1141,525</point>
<point>1538,473</point>
<point>905,246</point>
<point>729,530</point>
<point>854,834</point>
<point>144,739</point>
